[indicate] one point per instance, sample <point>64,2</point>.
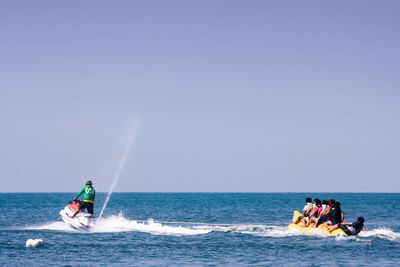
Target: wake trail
<point>381,233</point>
<point>122,224</point>
<point>118,223</point>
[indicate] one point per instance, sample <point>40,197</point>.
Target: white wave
<point>121,224</point>
<point>283,231</point>
<point>383,233</point>
<point>363,236</point>
<point>256,230</point>
<point>355,238</point>
<point>343,237</point>
<point>114,224</point>
<point>268,231</point>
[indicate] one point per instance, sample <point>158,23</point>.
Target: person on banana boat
<point>335,215</point>
<point>324,217</point>
<point>349,228</point>
<point>323,210</point>
<point>314,213</point>
<point>306,210</point>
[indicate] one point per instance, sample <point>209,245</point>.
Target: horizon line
<point>213,192</point>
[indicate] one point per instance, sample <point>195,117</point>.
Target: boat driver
<point>88,198</point>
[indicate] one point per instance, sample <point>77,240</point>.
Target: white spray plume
<point>132,134</point>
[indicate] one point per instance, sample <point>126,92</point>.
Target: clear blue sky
<point>242,96</point>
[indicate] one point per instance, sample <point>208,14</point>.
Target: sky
<point>225,96</point>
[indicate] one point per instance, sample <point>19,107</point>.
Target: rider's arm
<point>80,193</point>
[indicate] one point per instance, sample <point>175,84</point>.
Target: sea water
<point>196,229</point>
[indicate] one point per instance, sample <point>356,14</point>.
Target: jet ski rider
<point>88,198</point>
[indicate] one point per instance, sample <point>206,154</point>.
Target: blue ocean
<point>195,229</point>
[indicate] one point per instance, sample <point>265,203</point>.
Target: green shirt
<point>89,193</point>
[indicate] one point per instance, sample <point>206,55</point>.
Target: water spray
<point>132,134</point>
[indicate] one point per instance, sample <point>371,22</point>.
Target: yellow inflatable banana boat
<point>311,230</point>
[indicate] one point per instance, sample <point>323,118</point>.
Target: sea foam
<point>256,230</point>
<point>122,224</point>
<point>382,233</point>
<point>118,223</point>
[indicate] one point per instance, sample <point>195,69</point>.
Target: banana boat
<point>311,230</point>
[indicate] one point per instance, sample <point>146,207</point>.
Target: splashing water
<point>119,223</point>
<point>132,134</point>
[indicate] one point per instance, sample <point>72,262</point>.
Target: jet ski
<point>81,221</point>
